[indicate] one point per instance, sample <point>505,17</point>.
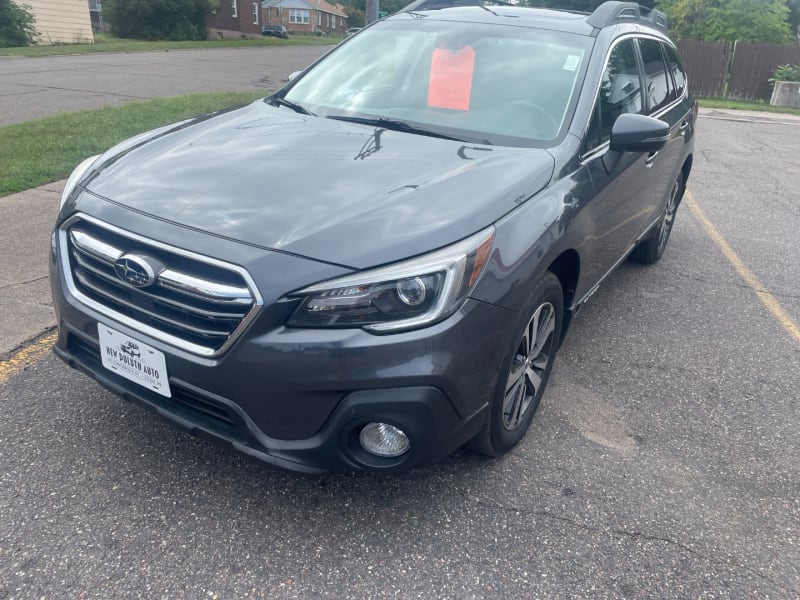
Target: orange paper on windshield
<point>450,82</point>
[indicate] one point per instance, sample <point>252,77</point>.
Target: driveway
<point>39,87</point>
<point>663,462</point>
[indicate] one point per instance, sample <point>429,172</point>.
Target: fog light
<point>382,439</point>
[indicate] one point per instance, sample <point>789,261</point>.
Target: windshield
<point>496,84</point>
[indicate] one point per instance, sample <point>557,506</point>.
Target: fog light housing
<point>384,440</point>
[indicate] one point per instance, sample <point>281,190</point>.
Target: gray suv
<point>376,264</point>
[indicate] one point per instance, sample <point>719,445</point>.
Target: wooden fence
<point>706,66</point>
<point>745,67</point>
<point>753,65</point>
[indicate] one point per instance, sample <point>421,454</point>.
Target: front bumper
<point>432,425</point>
<point>298,398</point>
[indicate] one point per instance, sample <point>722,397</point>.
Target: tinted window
<point>657,81</point>
<point>620,92</point>
<point>678,74</point>
<point>505,84</point>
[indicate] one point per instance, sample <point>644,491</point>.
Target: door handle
<point>684,127</point>
<point>648,162</point>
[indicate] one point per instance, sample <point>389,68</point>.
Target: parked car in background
<point>352,30</point>
<point>275,31</point>
<point>376,264</point>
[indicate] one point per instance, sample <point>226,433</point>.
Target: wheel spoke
<point>534,379</point>
<point>540,362</point>
<point>517,370</point>
<point>513,404</point>
<point>669,215</point>
<point>545,331</point>
<point>526,374</point>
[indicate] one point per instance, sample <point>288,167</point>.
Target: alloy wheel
<point>528,367</point>
<point>669,215</point>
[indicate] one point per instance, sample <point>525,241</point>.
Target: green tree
<point>158,19</point>
<point>17,25</point>
<point>794,17</point>
<point>355,16</point>
<point>729,20</point>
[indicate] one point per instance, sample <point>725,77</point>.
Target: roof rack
<point>604,15</point>
<point>626,12</point>
<point>437,4</point>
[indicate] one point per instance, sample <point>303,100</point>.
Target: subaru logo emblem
<point>134,270</point>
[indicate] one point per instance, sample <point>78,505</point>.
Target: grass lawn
<point>45,150</point>
<point>743,105</point>
<point>38,152</point>
<point>107,43</point>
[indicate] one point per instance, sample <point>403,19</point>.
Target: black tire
<point>650,249</point>
<point>517,395</point>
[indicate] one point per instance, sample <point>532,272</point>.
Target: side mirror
<point>293,76</point>
<point>638,133</point>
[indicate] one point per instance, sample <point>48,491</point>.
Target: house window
<point>235,8</point>
<point>298,16</point>
<point>255,13</point>
<point>319,19</point>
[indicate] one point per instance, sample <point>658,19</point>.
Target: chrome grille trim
<point>200,288</point>
<point>96,248</point>
<point>224,310</point>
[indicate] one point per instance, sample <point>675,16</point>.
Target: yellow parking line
<point>767,299</point>
<point>27,356</point>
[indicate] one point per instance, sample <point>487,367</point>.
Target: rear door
<point>664,101</point>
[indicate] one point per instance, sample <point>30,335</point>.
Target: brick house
<point>306,16</point>
<point>243,18</point>
<point>235,19</point>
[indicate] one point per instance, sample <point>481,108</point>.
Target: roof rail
<point>437,4</point>
<point>626,12</point>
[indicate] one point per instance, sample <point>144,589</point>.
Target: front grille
<point>191,301</point>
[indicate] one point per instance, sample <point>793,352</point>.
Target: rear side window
<point>620,93</point>
<point>657,82</point>
<point>675,66</point>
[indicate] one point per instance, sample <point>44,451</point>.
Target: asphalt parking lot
<point>34,88</point>
<point>663,462</point>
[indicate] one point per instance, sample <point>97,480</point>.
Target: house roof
<point>320,5</point>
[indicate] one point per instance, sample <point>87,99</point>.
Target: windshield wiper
<point>275,101</point>
<point>395,125</point>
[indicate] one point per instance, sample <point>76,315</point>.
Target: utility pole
<point>373,6</point>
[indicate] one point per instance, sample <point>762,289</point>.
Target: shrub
<point>17,25</point>
<point>158,19</point>
<point>785,73</point>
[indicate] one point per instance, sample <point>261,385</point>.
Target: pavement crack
<point>66,89</point>
<point>25,282</point>
<point>738,284</point>
<point>655,538</point>
<point>730,564</point>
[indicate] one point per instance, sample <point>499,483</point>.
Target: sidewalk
<point>749,116</point>
<point>26,220</point>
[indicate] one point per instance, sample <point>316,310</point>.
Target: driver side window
<point>620,92</point>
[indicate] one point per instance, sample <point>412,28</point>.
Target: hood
<point>348,194</point>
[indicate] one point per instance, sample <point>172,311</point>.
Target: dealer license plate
<point>133,360</point>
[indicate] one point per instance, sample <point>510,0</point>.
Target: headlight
<point>405,295</point>
<point>76,176</point>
